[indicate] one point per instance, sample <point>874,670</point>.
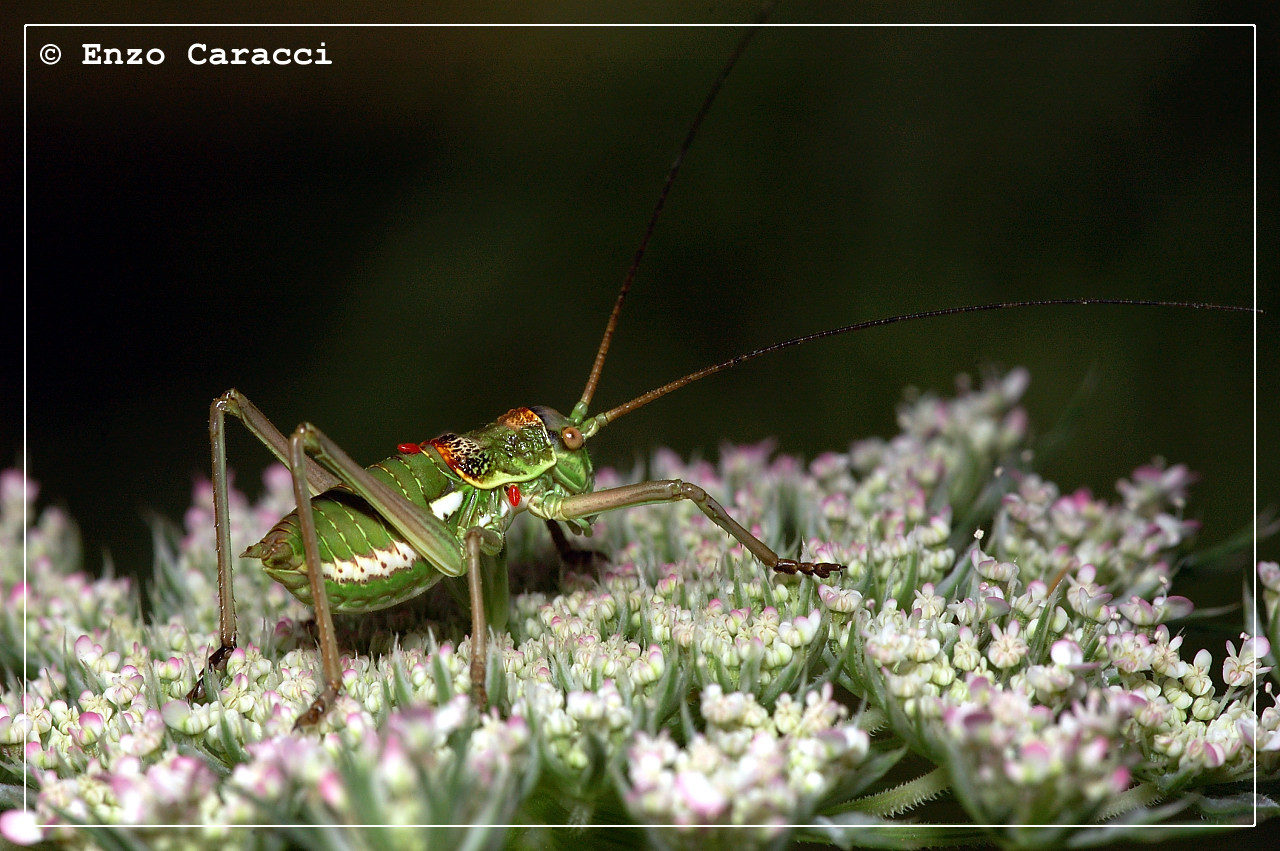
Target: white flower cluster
<point>1031,667</point>
<point>1019,755</point>
<point>750,767</point>
<point>61,603</point>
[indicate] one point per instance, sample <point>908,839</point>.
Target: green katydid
<point>364,539</point>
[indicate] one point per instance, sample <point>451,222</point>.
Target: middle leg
<point>571,556</point>
<point>429,537</point>
<point>478,542</point>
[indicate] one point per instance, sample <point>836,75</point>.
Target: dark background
<point>432,229</point>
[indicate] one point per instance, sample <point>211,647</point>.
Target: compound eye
<point>571,438</point>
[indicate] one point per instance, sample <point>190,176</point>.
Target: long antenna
<point>601,420</point>
<point>580,410</point>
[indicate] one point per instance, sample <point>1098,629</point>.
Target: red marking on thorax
<point>409,448</point>
<point>513,495</point>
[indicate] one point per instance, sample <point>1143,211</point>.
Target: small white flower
<point>1269,576</point>
<point>1241,669</point>
<point>1129,651</point>
<point>842,600</point>
<point>929,604</point>
<point>995,571</point>
<point>1007,647</point>
<point>965,654</point>
<point>1197,680</point>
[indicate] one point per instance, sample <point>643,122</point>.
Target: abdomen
<point>366,564</point>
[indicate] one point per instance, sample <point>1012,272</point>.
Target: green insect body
<point>483,478</point>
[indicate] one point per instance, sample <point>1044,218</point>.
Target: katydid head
<point>572,468</point>
<point>518,446</point>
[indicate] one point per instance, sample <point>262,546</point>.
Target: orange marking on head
<point>518,418</point>
<point>464,456</point>
<point>446,453</point>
